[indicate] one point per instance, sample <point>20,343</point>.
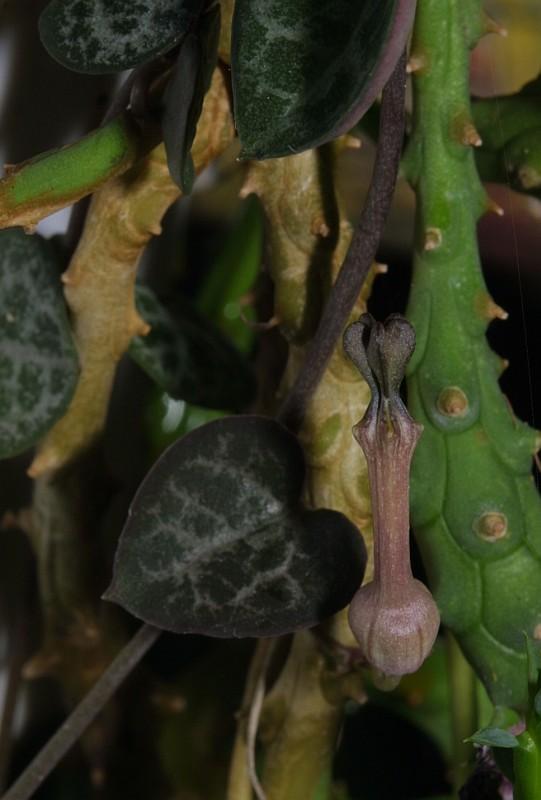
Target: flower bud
<point>395,630</point>
<point>394,618</point>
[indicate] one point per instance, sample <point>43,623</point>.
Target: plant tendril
<point>83,714</point>
<point>361,252</point>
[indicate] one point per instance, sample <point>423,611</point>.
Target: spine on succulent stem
<point>394,618</point>
<point>475,510</point>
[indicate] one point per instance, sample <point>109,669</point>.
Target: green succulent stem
<point>464,713</point>
<point>56,179</point>
<point>510,129</point>
<point>475,509</point>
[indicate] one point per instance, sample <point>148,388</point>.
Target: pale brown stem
<point>99,282</point>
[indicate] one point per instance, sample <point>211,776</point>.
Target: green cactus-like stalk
<point>475,509</point>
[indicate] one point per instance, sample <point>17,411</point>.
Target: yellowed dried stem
<point>300,724</point>
<point>99,282</point>
<point>306,249</point>
<point>307,241</point>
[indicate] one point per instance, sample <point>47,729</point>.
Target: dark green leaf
<point>494,737</point>
<point>184,96</point>
<point>100,36</point>
<point>305,72</point>
<point>38,361</point>
<point>189,358</point>
<point>163,352</point>
<point>216,542</point>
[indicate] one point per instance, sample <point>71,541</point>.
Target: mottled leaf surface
<point>162,353</point>
<point>305,71</point>
<point>101,36</point>
<point>189,358</point>
<point>38,361</point>
<point>183,98</point>
<point>217,543</point>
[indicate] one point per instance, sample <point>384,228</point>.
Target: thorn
<point>504,364</point>
<point>380,269</point>
<point>248,187</point>
<point>416,63</point>
<point>43,462</point>
<point>271,323</point>
<point>433,239</point>
<point>41,664</point>
<point>143,328</point>
<point>155,229</point>
<point>352,142</point>
<point>68,279</point>
<point>470,136</point>
<point>347,142</point>
<point>493,207</point>
<point>137,326</point>
<point>319,227</point>
<point>491,26</point>
<point>494,311</point>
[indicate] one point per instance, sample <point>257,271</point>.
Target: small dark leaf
<point>163,352</point>
<point>38,361</point>
<point>216,542</point>
<point>101,36</point>
<point>184,96</point>
<point>188,358</point>
<point>494,737</point>
<point>305,72</point>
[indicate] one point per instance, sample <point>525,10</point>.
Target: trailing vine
<point>264,520</point>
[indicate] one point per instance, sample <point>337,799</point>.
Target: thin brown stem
<point>83,715</point>
<point>361,253</point>
<point>14,674</point>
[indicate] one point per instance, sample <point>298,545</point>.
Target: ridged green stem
<point>58,178</point>
<point>463,687</point>
<point>475,509</point>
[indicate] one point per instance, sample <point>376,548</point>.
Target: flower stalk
<point>394,618</point>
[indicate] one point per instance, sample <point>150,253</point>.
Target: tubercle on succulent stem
<point>394,618</point>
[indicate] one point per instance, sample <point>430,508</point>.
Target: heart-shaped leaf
<point>305,72</point>
<point>101,36</point>
<point>188,358</point>
<point>217,543</point>
<point>38,361</point>
<point>184,96</point>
